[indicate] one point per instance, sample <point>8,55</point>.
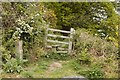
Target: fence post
<point>19,49</point>
<point>70,40</point>
<point>46,32</point>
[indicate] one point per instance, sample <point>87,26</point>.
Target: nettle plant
<point>23,30</point>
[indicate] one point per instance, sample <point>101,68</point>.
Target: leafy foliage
<point>83,39</point>
<point>27,21</point>
<point>95,53</point>
<point>57,56</point>
<point>83,57</point>
<point>22,29</point>
<point>92,73</point>
<point>92,16</point>
<point>13,65</point>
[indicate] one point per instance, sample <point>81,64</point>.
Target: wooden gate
<point>57,48</point>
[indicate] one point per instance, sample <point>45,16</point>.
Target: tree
<point>23,21</point>
<point>95,17</point>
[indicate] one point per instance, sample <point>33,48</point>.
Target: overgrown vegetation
<point>95,42</point>
<point>96,53</point>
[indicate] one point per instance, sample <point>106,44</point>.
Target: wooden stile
<point>69,43</point>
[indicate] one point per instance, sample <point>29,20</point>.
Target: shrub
<point>83,39</point>
<point>40,52</point>
<point>76,66</point>
<point>94,50</point>
<point>94,45</point>
<point>83,57</point>
<point>13,65</point>
<point>92,73</point>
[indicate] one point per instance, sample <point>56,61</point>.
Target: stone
<point>55,65</point>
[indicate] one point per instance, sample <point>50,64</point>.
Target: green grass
<point>41,70</point>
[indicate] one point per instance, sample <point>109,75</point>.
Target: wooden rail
<point>63,31</point>
<point>51,35</point>
<point>55,41</point>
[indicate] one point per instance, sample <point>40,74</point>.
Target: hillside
<point>92,48</point>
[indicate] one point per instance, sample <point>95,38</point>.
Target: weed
<point>13,65</point>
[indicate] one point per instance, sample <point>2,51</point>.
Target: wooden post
<point>46,33</point>
<point>19,50</point>
<point>70,40</point>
